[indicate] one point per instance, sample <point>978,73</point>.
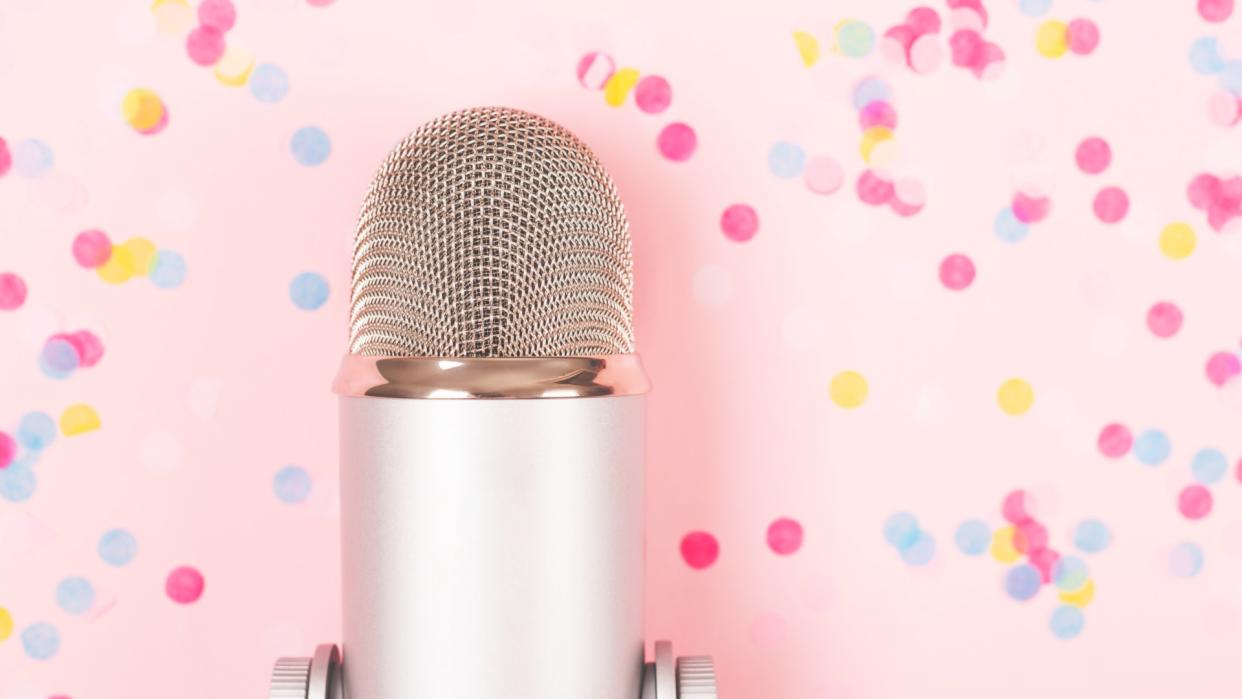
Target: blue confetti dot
<point>973,537</point>
<point>786,160</point>
<point>921,551</point>
<point>1008,228</point>
<point>1022,582</point>
<point>36,431</point>
<point>32,158</point>
<point>870,90</point>
<point>1066,622</point>
<point>309,290</point>
<point>1205,56</point>
<point>1034,8</point>
<point>59,358</point>
<point>168,269</point>
<point>41,640</point>
<point>1186,560</point>
<point>292,484</point>
<point>856,39</point>
<point>1069,573</point>
<point>310,145</point>
<point>901,530</point>
<point>117,547</point>
<point>268,83</point>
<point>1209,466</point>
<point>75,595</point>
<point>1152,447</point>
<point>18,482</point>
<point>1092,536</point>
<point>1230,77</point>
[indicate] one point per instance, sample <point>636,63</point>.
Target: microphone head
<point>491,232</point>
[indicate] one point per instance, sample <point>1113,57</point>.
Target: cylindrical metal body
<point>492,548</point>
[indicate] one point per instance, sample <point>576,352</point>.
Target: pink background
<point>207,390</point>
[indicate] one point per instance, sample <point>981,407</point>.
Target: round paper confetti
<point>41,640</point>
<point>699,550</point>
<point>119,267</point>
<point>973,537</point>
<point>1030,537</point>
<point>877,113</point>
<point>1008,228</point>
<point>1022,582</point>
<point>233,68</point>
<point>12,291</point>
<point>871,89</point>
<point>168,270</point>
<point>854,39</point>
<point>901,530</point>
<point>91,248</point>
<point>1066,622</point>
<point>117,547</point>
<point>653,94</point>
<point>1093,155</point>
<point>1069,573</point>
<point>1034,8</point>
<point>1111,204</point>
<point>1209,466</point>
<point>1092,536</point>
<point>75,595</point>
<point>1018,507</point>
<point>808,48</point>
<point>217,14</point>
<point>1177,241</point>
<point>921,551</point>
<point>595,69</point>
<point>618,87</point>
<point>677,142</point>
<point>926,54</point>
<point>1205,57</point>
<point>141,252</point>
<point>739,223</point>
<point>205,45</point>
<point>873,189</point>
<point>1164,319</point>
<point>36,431</point>
<point>1194,502</point>
<point>17,480</point>
<point>848,389</point>
<point>292,484</point>
<point>1002,547</point>
<point>1015,396</point>
<point>785,536</point>
<point>1115,440</point>
<point>310,146</point>
<point>58,359</point>
<point>32,158</point>
<point>6,161</point>
<point>1052,39</point>
<point>8,447</point>
<point>1080,597</point>
<point>957,272</point>
<point>1215,10</point>
<point>268,83</point>
<point>1152,447</point>
<point>1082,36</point>
<point>78,419</point>
<point>1223,108</point>
<point>1186,560</point>
<point>1223,366</point>
<point>184,585</point>
<point>1029,209</point>
<point>172,17</point>
<point>823,175</point>
<point>6,624</point>
<point>873,137</point>
<point>786,160</point>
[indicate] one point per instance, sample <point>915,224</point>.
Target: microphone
<point>492,408</point>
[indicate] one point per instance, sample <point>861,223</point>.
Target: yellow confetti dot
<point>848,389</point>
<point>6,624</point>
<point>1003,549</point>
<point>78,419</point>
<point>1015,396</point>
<point>619,86</point>
<point>119,267</point>
<point>873,137</point>
<point>808,48</point>
<point>1177,241</point>
<point>234,67</point>
<point>1080,597</point>
<point>142,109</point>
<point>143,253</point>
<point>1052,40</point>
<point>172,17</point>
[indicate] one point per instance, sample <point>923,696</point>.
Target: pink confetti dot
<point>873,189</point>
<point>1115,440</point>
<point>974,5</point>
<point>319,3</point>
<point>1044,560</point>
<point>877,113</point>
<point>699,550</point>
<point>1083,36</point>
<point>184,585</point>
<point>6,158</point>
<point>1223,366</point>
<point>677,142</point>
<point>990,63</point>
<point>205,45</point>
<point>12,291</point>
<point>909,196</point>
<point>653,94</point>
<point>1223,108</point>
<point>1215,10</point>
<point>823,175</point>
<point>923,20</point>
<point>1194,502</point>
<point>1237,471</point>
<point>594,70</point>
<point>1029,537</point>
<point>1093,155</point>
<point>896,44</point>
<point>1164,319</point>
<point>1018,507</point>
<point>8,447</point>
<point>785,536</point>
<point>1203,190</point>
<point>88,346</point>
<point>739,223</point>
<point>1028,209</point>
<point>966,18</point>
<point>1111,204</point>
<point>926,54</point>
<point>957,272</point>
<point>217,14</point>
<point>965,48</point>
<point>91,248</point>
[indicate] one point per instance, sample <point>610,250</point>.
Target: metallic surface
<point>444,377</point>
<point>492,548</point>
<point>491,232</point>
<point>290,678</point>
<point>317,677</point>
<point>696,677</point>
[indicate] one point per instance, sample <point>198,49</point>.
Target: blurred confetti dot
<point>6,158</point>
<point>712,285</point>
<point>1018,507</point>
<point>234,67</point>
<point>58,359</point>
<point>1008,228</point>
<point>854,39</point>
<point>205,45</point>
<point>739,223</point>
<point>8,447</point>
<point>957,272</point>
<point>823,175</point>
<point>1034,8</point>
<point>1186,560</point>
<point>848,389</point>
<point>141,252</point>
<point>117,547</point>
<point>595,69</point>
<point>653,94</point>
<point>921,551</point>
<point>41,640</point>
<point>75,595</point>
<point>1223,108</point>
<point>1209,466</point>
<point>6,624</point>
<point>17,480</point>
<point>217,14</point>
<point>268,83</point>
<point>785,536</point>
<point>1215,10</point>
<point>1066,622</point>
<point>32,158</point>
<point>119,267</point>
<point>877,113</point>
<point>168,270</point>
<point>91,248</point>
<point>87,345</point>
<point>1030,209</point>
<point>36,431</point>
<point>12,291</point>
<point>308,290</point>
<point>144,111</point>
<point>292,484</point>
<point>618,87</point>
<point>1092,536</point>
<point>1015,396</point>
<point>1069,573</point>
<point>699,550</point>
<point>973,537</point>
<point>1164,319</point>
<point>1002,548</point>
<point>1177,241</point>
<point>1080,597</point>
<point>1030,537</point>
<point>78,419</point>
<point>1093,155</point>
<point>1194,502</point>
<point>310,146</point>
<point>677,142</point>
<point>1205,57</point>
<point>1111,204</point>
<point>1083,36</point>
<point>901,530</point>
<point>871,89</point>
<point>1052,39</point>
<point>184,585</point>
<point>1223,366</point>
<point>1115,440</point>
<point>808,48</point>
<point>786,160</point>
<point>871,139</point>
<point>172,17</point>
<point>1152,447</point>
<point>1022,582</point>
<point>873,189</point>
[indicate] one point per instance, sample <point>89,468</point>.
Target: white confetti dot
<point>713,286</point>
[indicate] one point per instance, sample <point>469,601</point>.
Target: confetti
<point>1115,441</point>
<point>786,160</point>
<point>848,389</point>
<point>699,550</point>
<point>1215,10</point>
<point>1015,396</point>
<point>1164,319</point>
<point>118,547</point>
<point>1081,597</point>
<point>677,142</point>
<point>785,536</point>
<point>268,83</point>
<point>41,640</point>
<point>823,175</point>
<point>1052,39</point>
<point>1111,204</point>
<point>1152,447</point>
<point>184,585</point>
<point>854,39</point>
<point>957,272</point>
<point>1177,241</point>
<point>1209,466</point>
<point>618,87</point>
<point>75,595</point>
<point>32,158</point>
<point>234,67</point>
<point>901,530</point>
<point>739,223</point>
<point>1205,57</point>
<point>310,146</point>
<point>6,624</point>
<point>1222,367</point>
<point>1194,502</point>
<point>1022,582</point>
<point>205,45</point>
<point>1066,622</point>
<point>1093,155</point>
<point>91,248</point>
<point>8,447</point>
<point>653,94</point>
<point>12,291</point>
<point>217,14</point>
<point>78,419</point>
<point>973,537</point>
<point>808,48</point>
<point>1092,536</point>
<point>292,485</point>
<point>1008,228</point>
<point>1186,560</point>
<point>1083,36</point>
<point>168,270</point>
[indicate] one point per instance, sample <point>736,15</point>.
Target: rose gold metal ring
<point>523,377</point>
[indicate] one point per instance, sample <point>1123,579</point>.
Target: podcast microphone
<point>492,408</point>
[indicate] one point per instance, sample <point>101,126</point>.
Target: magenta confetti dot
<point>1115,440</point>
<point>184,585</point>
<point>1030,536</point>
<point>217,14</point>
<point>653,94</point>
<point>1111,204</point>
<point>1237,472</point>
<point>1215,10</point>
<point>1223,366</point>
<point>1044,560</point>
<point>902,208</point>
<point>12,291</point>
<point>1093,155</point>
<point>896,43</point>
<point>923,20</point>
<point>8,448</point>
<point>1083,36</point>
<point>6,158</point>
<point>91,248</point>
<point>1028,209</point>
<point>1203,190</point>
<point>873,189</point>
<point>965,47</point>
<point>739,223</point>
<point>785,536</point>
<point>957,271</point>
<point>88,346</point>
<point>677,141</point>
<point>1018,507</point>
<point>989,62</point>
<point>1164,319</point>
<point>699,550</point>
<point>595,69</point>
<point>877,113</point>
<point>205,45</point>
<point>1194,502</point>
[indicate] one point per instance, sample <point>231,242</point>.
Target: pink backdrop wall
<point>207,390</point>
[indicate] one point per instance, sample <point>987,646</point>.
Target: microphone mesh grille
<point>491,232</point>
